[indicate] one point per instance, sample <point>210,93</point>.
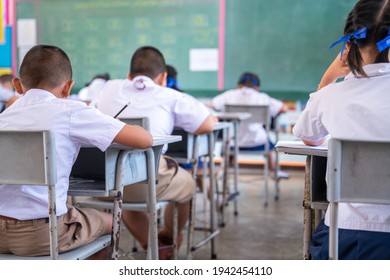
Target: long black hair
<point>375,16</point>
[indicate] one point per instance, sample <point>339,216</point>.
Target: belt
<point>13,219</point>
<point>7,218</point>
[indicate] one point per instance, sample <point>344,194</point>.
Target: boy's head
<point>248,79</point>
<point>6,81</point>
<point>45,67</point>
<point>150,62</point>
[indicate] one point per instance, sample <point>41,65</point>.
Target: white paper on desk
<point>300,145</point>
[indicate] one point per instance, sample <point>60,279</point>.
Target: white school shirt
<point>5,94</point>
<point>91,91</point>
<point>74,124</point>
<point>250,134</point>
<point>165,107</point>
<point>356,108</point>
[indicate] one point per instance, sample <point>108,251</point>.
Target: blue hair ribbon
<point>171,82</point>
<point>384,43</point>
<point>358,34</point>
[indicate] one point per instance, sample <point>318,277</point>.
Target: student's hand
<point>337,69</point>
<point>207,125</point>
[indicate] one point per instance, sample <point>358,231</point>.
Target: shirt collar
<point>142,82</point>
<point>372,70</point>
<point>41,92</point>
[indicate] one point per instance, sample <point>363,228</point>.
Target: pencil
<point>121,110</point>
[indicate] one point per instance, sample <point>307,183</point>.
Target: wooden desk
<point>314,202</point>
<point>125,166</point>
<point>188,151</point>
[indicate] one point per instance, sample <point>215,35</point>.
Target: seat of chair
<point>130,206</point>
<point>75,254</point>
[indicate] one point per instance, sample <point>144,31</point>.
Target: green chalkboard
<point>284,41</point>
<point>100,35</point>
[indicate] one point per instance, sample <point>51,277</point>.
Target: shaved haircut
<point>147,61</point>
<point>45,66</point>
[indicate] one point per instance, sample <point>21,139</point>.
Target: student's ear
<point>161,79</point>
<point>348,46</point>
<point>129,76</point>
<point>66,89</point>
<point>17,85</point>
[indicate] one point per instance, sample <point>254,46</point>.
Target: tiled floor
<point>257,233</point>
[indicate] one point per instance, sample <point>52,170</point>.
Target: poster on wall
<point>2,21</point>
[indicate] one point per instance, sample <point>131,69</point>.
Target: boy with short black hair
<point>45,83</point>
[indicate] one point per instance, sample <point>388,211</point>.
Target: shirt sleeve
<point>275,106</point>
<point>218,102</point>
<point>88,126</point>
<point>189,113</point>
<point>309,125</point>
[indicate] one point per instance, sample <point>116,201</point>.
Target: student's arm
<point>207,125</point>
<point>11,101</point>
<point>337,69</point>
<point>283,109</point>
<point>313,143</point>
<point>134,136</point>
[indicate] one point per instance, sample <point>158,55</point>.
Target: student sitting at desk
<point>90,92</point>
<point>166,108</point>
<point>172,78</point>
<point>45,82</point>
<point>355,108</point>
<point>252,136</point>
<point>7,90</point>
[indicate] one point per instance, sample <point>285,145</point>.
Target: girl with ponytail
<point>353,101</point>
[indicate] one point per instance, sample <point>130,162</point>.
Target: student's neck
<point>369,54</point>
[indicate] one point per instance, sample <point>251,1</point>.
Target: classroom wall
<point>286,42</point>
<point>7,24</point>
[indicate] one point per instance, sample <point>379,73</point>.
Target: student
<point>7,90</point>
<point>91,90</point>
<point>45,82</point>
<point>355,108</point>
<point>166,109</point>
<point>172,78</point>
<point>252,136</point>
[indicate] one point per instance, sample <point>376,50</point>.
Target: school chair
<point>151,206</point>
<point>259,114</point>
<point>28,158</point>
<point>357,172</point>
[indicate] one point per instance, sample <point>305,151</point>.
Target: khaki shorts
<point>174,184</point>
<point>31,237</point>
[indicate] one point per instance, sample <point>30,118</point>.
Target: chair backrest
<point>358,171</point>
<point>260,113</point>
<point>27,158</point>
<point>141,121</point>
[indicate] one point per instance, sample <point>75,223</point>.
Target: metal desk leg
<point>117,211</point>
<point>307,211</point>
<point>153,234</point>
<point>191,222</point>
<point>213,230</point>
<point>225,184</point>
<point>277,167</point>
<point>235,162</point>
<point>213,216</point>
